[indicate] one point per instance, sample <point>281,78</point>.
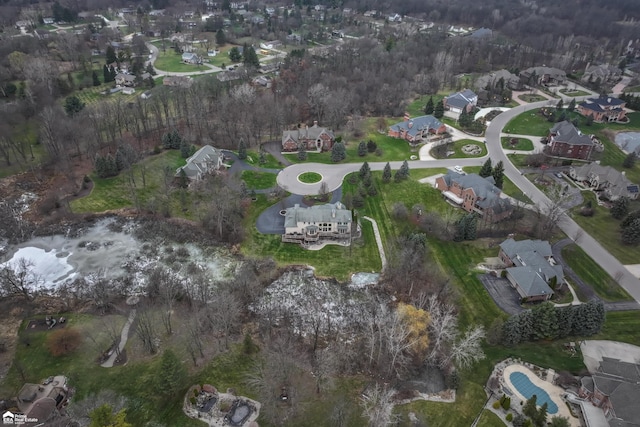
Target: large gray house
<point>317,224</point>
<point>203,161</point>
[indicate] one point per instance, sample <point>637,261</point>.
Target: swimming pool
<point>524,385</point>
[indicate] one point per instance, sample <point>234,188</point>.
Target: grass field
<point>116,193</point>
<point>605,229</point>
<point>523,144</point>
<point>531,97</point>
<point>601,282</point>
<point>258,180</point>
<point>310,177</point>
<point>529,123</point>
<point>172,62</point>
<point>574,92</point>
<point>253,158</point>
<point>459,154</point>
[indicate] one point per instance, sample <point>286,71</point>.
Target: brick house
<point>615,388</point>
<point>475,194</point>
<point>456,102</point>
<point>565,140</point>
<point>530,268</point>
<point>314,138</point>
<point>603,109</point>
<point>613,183</point>
<point>416,129</point>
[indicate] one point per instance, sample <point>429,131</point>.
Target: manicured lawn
<point>459,154</point>
<point>222,58</point>
<point>606,230</point>
<point>522,144</point>
<point>621,326</point>
<point>573,92</point>
<point>310,177</point>
<point>116,193</point>
<point>258,180</point>
<point>529,123</point>
<point>416,108</point>
<point>531,97</point>
<point>489,419</point>
<point>601,282</point>
<point>172,61</point>
<point>508,187</point>
<point>253,158</point>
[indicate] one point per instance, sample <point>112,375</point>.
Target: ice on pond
<point>51,267</point>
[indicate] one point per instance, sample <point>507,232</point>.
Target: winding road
<point>333,175</point>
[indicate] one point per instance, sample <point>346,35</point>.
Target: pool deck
<point>554,392</point>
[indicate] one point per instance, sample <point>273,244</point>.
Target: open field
<point>601,282</point>
<point>529,123</point>
<point>172,62</point>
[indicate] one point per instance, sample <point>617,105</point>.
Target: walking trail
<point>376,232</point>
<point>124,336</point>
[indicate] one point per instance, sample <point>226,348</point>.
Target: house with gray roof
<point>565,140</point>
<point>191,58</point>
<point>475,194</point>
<point>417,129</point>
<point>605,72</point>
<point>317,224</point>
<point>312,138</point>
<point>603,109</point>
<point>545,76</point>
<point>203,161</point>
<point>458,101</point>
<point>615,388</point>
<point>511,81</point>
<point>530,268</point>
<point>611,182</point>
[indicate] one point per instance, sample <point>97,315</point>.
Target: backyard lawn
<point>258,180</point>
<point>529,123</point>
<point>171,61</point>
<point>522,144</point>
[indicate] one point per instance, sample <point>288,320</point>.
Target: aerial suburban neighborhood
<point>342,214</point>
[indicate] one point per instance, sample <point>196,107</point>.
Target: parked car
<point>458,169</point>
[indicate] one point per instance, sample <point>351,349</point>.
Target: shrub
<point>64,341</point>
<point>509,417</point>
<point>506,403</point>
<point>496,405</point>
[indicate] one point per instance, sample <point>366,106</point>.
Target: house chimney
<point>315,123</point>
<point>407,116</point>
<point>410,124</point>
<point>333,213</point>
<point>609,100</point>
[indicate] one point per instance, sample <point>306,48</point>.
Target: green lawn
<point>531,97</point>
<point>115,193</point>
<point>310,177</point>
<point>172,61</point>
<point>489,419</point>
<point>605,229</point>
<point>522,144</point>
<point>529,123</point>
<point>259,180</point>
<point>574,92</point>
<point>416,108</point>
<point>601,282</point>
<point>253,158</point>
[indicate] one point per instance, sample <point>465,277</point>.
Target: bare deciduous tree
<point>19,278</point>
<point>146,330</point>
<point>377,406</point>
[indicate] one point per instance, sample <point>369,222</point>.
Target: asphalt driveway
<point>502,293</point>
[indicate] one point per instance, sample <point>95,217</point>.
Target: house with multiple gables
<point>317,224</point>
<point>475,194</point>
<point>603,109</point>
<point>613,183</point>
<point>204,161</point>
<point>615,388</point>
<point>604,73</point>
<point>511,81</point>
<point>314,138</point>
<point>191,58</point>
<point>544,76</point>
<point>177,81</point>
<point>416,129</point>
<point>530,268</point>
<point>44,402</point>
<point>564,140</point>
<point>458,101</point>
<point>129,80</point>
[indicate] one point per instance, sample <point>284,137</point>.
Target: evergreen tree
<point>111,55</point>
<point>96,80</point>
<point>362,149</point>
<point>630,160</point>
<point>565,321</point>
<point>589,318</point>
<point>470,228</point>
<point>404,170</point>
<point>546,321</point>
<point>150,82</point>
<point>371,146</point>
<point>559,105</point>
<point>588,120</point>
<point>221,37</point>
<point>540,420</point>
<point>171,375</point>
<point>106,74</point>
<point>73,105</point>
<point>112,72</point>
<point>572,105</point>
<point>620,208</point>
<point>486,169</point>
<point>103,416</point>
<point>530,408</point>
<point>464,120</point>
<point>631,233</point>
<point>365,170</point>
<point>559,422</point>
<point>235,55</point>
<point>185,149</point>
<point>150,69</point>
<point>438,111</point>
<point>525,322</point>
<point>511,334</point>
<point>498,174</point>
<point>629,219</point>
<point>386,173</point>
<point>242,150</point>
<point>428,109</point>
<point>302,154</point>
<point>338,152</point>
<point>249,57</point>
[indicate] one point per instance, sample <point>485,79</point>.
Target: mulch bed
<point>39,325</point>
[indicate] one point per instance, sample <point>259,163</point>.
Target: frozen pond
<point>99,250</point>
<point>628,141</point>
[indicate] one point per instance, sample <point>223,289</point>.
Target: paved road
<point>159,73</point>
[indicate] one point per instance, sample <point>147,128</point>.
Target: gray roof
<point>554,73</point>
<point>202,160</point>
<point>488,195</point>
<point>612,179</point>
<point>417,124</point>
<point>618,368</point>
<point>513,247</point>
<point>532,270</point>
<point>530,281</point>
<point>566,132</point>
<point>461,99</point>
<point>493,78</point>
<point>126,77</point>
<point>309,133</point>
<point>317,214</point>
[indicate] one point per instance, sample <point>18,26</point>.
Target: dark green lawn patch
<point>522,144</point>
<point>310,177</point>
<point>270,162</point>
<point>606,230</point>
<point>621,326</point>
<point>258,180</point>
<point>531,97</point>
<point>574,92</point>
<point>529,123</point>
<point>593,274</point>
<point>456,147</point>
<point>489,419</point>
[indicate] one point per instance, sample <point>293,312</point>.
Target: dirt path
<point>124,336</point>
<point>376,232</point>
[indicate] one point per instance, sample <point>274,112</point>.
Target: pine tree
<point>242,150</point>
<point>96,80</point>
<point>498,174</point>
<point>302,154</point>
<point>572,105</point>
<point>631,233</point>
<point>530,408</point>
<point>249,57</point>
<point>365,170</point>
<point>185,149</point>
<point>404,170</point>
<point>386,173</point>
<point>110,55</point>
<point>171,374</point>
<point>546,322</point>
<point>540,419</point>
<point>486,169</point>
<point>511,334</point>
<point>106,74</point>
<point>559,105</point>
<point>221,38</point>
<point>428,109</point>
<point>338,152</point>
<point>362,149</point>
<point>470,227</point>
<point>589,318</point>
<point>565,321</point>
<point>620,208</point>
<point>464,120</point>
<point>73,105</point>
<point>630,160</point>
<point>438,111</point>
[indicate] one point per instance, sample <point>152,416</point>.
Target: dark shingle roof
<point>417,124</point>
<point>567,133</point>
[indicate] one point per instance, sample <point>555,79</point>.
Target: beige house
<point>203,161</point>
<point>44,401</point>
<point>317,224</point>
<point>613,183</point>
